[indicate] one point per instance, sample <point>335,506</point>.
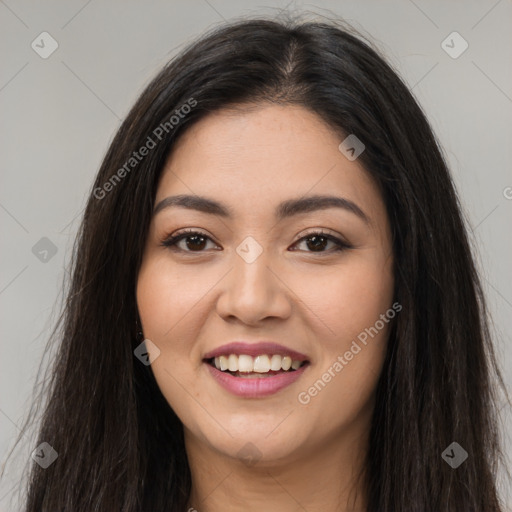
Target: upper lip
<point>255,349</point>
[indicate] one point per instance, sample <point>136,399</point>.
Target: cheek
<point>350,302</point>
<point>164,302</point>
<point>344,302</point>
<point>165,296</point>
<point>167,301</point>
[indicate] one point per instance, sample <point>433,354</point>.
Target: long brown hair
<point>120,444</point>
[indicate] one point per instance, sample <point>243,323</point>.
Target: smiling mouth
<point>262,366</point>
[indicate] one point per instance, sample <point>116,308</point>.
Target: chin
<point>257,448</point>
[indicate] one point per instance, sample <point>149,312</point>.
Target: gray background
<point>59,115</point>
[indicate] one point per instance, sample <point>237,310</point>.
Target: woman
<point>273,303</point>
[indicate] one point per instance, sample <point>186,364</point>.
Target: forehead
<point>255,158</point>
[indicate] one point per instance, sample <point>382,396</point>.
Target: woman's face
<point>257,273</point>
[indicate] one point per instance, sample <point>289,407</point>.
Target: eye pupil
<point>316,242</point>
<point>195,244</point>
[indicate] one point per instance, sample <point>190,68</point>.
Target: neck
<point>320,478</point>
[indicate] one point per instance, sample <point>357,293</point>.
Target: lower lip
<point>255,387</point>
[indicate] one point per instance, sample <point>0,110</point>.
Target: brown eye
<point>194,241</point>
<point>317,242</point>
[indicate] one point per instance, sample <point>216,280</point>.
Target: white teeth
<point>295,365</point>
<point>233,363</point>
<point>287,363</point>
<point>245,363</point>
<point>275,363</point>
<point>224,363</point>
<point>259,364</point>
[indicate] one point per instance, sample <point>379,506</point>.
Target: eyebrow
<point>284,210</point>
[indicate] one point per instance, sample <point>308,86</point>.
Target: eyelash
<point>171,242</point>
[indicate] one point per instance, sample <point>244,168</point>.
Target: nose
<point>253,291</point>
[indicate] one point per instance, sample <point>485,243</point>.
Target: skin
<point>306,456</point>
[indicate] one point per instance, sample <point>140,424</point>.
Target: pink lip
<point>255,388</point>
<point>255,349</point>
